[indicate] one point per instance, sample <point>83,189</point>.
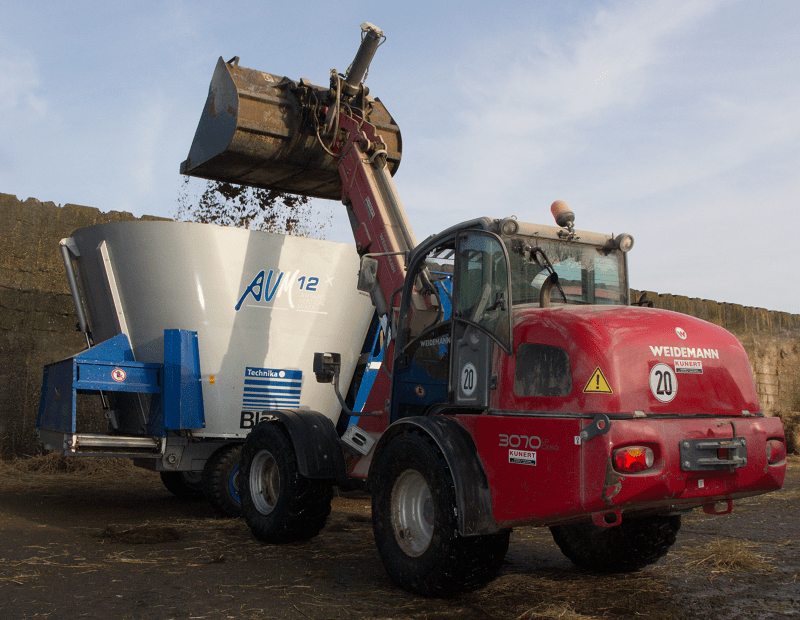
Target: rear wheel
<point>279,504</point>
<point>183,484</point>
<point>414,517</point>
<point>627,547</point>
<point>221,480</point>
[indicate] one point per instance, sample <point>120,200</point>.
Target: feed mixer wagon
<point>193,330</point>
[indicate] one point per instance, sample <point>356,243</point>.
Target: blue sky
<point>676,121</point>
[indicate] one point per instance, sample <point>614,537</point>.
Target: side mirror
<point>368,274</point>
<point>368,282</point>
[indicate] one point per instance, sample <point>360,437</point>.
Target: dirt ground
<point>113,543</point>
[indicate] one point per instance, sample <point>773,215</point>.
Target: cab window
<point>482,295</point>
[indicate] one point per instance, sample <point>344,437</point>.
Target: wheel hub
<point>412,513</point>
<point>233,485</point>
<point>265,482</point>
<point>193,479</point>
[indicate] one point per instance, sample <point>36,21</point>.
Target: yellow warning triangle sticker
<point>597,384</point>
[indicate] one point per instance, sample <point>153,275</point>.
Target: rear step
<point>96,444</point>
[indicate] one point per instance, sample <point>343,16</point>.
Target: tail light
<point>776,451</point>
<point>631,459</point>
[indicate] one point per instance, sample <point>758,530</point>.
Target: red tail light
<point>776,451</point>
<point>631,459</point>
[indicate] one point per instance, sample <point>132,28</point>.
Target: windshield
<point>587,274</point>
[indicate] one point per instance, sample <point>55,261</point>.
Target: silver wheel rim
<point>412,513</point>
<point>265,482</point>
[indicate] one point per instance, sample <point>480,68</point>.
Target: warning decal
<point>597,384</point>
<point>663,383</point>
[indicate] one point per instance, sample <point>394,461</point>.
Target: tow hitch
<point>710,453</point>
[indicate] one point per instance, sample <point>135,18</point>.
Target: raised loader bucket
<point>254,131</point>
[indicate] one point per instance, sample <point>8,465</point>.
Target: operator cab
<point>467,287</point>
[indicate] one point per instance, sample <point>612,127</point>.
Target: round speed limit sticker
<point>663,382</point>
<point>468,379</point>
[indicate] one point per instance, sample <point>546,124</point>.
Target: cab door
<point>422,367</point>
<point>481,316</point>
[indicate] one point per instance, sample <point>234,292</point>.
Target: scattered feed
<point>727,554</point>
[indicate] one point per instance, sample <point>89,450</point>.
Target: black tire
<point>183,484</point>
<point>279,504</point>
<point>416,526</point>
<point>627,547</point>
<point>221,480</point>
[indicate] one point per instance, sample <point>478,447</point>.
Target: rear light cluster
<point>632,459</point>
<point>776,451</point>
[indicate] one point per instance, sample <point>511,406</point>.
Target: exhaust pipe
<point>371,39</point>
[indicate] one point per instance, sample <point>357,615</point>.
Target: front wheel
<point>414,518</point>
<point>279,504</point>
<point>627,547</point>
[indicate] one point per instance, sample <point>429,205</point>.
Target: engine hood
<point>625,360</point>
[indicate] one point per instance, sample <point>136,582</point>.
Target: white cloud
<point>19,100</point>
<point>606,67</point>
<point>554,100</point>
<point>146,142</point>
<point>719,136</point>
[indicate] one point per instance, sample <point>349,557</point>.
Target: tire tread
<point>459,563</point>
<point>216,478</point>
<point>304,508</point>
<point>627,547</point>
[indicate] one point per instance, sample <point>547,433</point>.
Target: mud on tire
<point>221,480</point>
<point>278,503</point>
<point>414,518</point>
<point>627,547</point>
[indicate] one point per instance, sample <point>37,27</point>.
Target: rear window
<point>542,370</point>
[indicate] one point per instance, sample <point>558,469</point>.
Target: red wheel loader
<point>513,382</point>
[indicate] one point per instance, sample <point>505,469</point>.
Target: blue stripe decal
<point>267,382</point>
<point>271,387</point>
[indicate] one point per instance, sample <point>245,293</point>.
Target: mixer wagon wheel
<point>627,547</point>
<point>221,480</point>
<point>415,522</point>
<point>183,484</point>
<point>279,504</point>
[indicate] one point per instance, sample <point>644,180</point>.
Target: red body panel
<point>625,343</point>
<point>570,480</point>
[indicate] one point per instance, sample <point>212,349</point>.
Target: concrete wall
<point>37,321</point>
<point>37,317</point>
